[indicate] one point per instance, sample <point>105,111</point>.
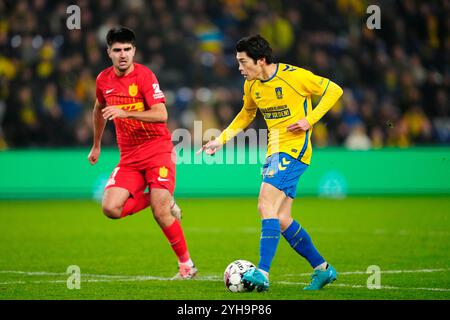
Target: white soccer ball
<point>233,275</point>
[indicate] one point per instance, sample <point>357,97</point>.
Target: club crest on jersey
<point>257,95</point>
<point>163,172</point>
<point>133,89</point>
<point>279,92</point>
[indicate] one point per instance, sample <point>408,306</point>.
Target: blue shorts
<point>283,172</point>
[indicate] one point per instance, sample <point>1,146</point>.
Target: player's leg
<point>141,200</point>
<point>124,193</point>
<point>301,242</point>
<point>297,236</point>
<point>113,201</point>
<point>269,201</point>
<point>160,202</point>
<point>161,178</point>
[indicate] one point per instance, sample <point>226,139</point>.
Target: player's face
<point>247,66</point>
<point>122,55</point>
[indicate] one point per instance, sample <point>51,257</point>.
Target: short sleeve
<point>311,84</point>
<point>150,88</point>
<point>98,91</point>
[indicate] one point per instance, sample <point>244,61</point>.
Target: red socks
<point>135,204</point>
<point>175,235</point>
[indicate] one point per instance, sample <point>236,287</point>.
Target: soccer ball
<point>233,276</point>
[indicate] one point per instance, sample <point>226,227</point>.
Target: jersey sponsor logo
<point>139,106</point>
<point>276,112</point>
<point>279,92</point>
<point>133,90</point>
<point>162,179</point>
<point>109,91</point>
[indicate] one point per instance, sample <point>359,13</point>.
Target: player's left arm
<point>156,113</point>
<point>312,84</point>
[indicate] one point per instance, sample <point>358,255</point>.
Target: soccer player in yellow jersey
<point>282,93</point>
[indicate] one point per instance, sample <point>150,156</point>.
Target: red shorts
<point>150,165</point>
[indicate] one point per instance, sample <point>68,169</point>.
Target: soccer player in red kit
<point>128,93</point>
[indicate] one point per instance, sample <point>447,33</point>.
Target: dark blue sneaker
<point>255,278</point>
<point>320,278</point>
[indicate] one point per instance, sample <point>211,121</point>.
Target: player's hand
<point>211,147</point>
<point>300,125</point>
<point>110,113</point>
<point>94,155</point>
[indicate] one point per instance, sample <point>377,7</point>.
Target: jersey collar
<point>274,74</point>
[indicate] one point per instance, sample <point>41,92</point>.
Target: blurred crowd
<point>396,79</point>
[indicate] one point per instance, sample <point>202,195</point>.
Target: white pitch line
<point>365,287</point>
<point>129,278</point>
<point>42,273</point>
<point>29,273</point>
<point>106,278</point>
<point>381,271</point>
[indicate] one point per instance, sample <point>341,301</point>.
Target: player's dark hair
<point>121,35</point>
<point>256,48</point>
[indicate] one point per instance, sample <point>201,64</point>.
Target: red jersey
<point>136,91</point>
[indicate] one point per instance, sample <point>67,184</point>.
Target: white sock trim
<point>189,263</point>
<point>322,266</point>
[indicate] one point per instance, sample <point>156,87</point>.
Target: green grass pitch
<point>407,237</point>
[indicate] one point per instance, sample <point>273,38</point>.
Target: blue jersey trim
<point>273,76</point>
<point>305,145</point>
<point>326,88</point>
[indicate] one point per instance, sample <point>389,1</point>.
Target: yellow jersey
<point>283,99</point>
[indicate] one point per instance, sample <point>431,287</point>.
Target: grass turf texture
<point>408,234</point>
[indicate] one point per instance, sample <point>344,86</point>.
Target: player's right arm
<point>239,123</point>
<point>311,84</point>
<point>99,126</point>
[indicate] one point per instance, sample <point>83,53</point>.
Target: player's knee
<point>161,213</point>
<point>161,210</point>
<point>111,211</point>
<point>264,209</point>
